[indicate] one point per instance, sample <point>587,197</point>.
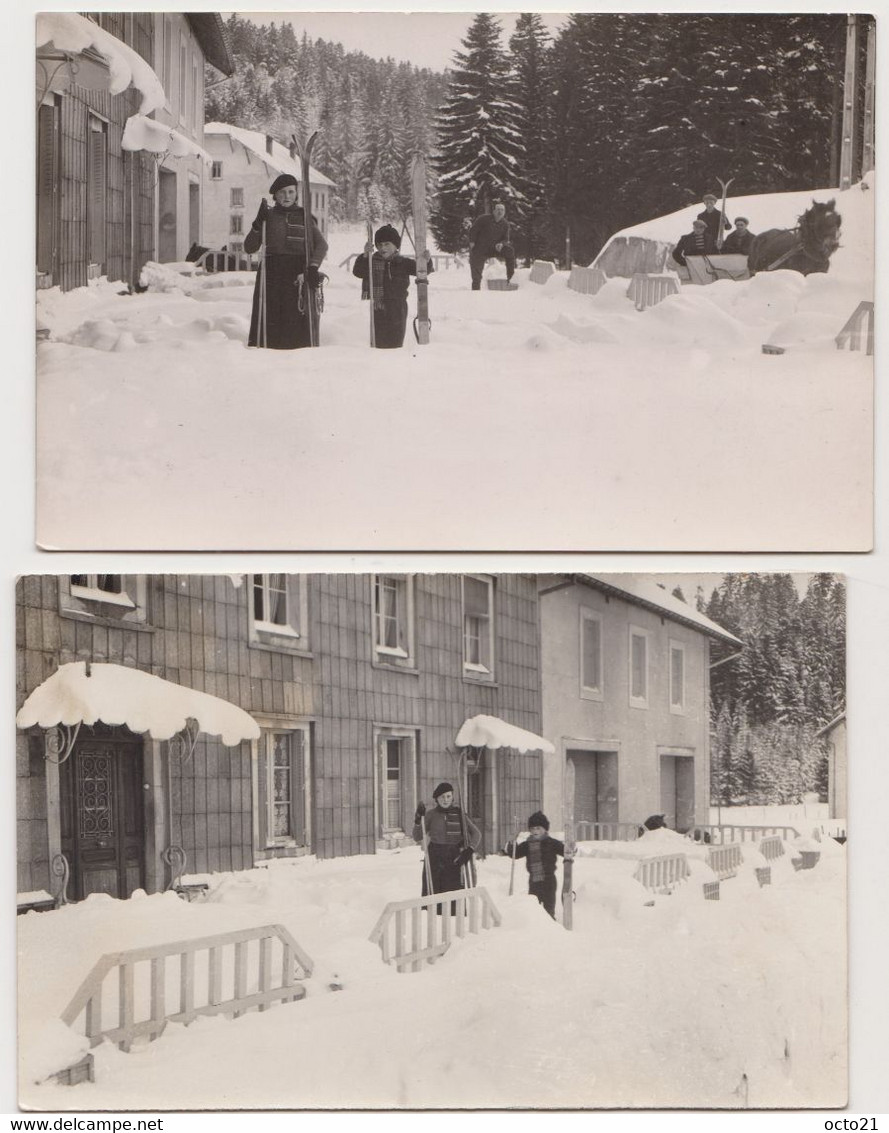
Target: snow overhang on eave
<point>699,622</point>
<point>141,133</point>
<point>84,692</point>
<point>65,37</point>
<point>492,732</point>
<point>210,32</point>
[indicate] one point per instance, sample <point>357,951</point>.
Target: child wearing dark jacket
<point>540,852</point>
<point>391,272</point>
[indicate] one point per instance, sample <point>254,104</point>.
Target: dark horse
<point>806,248</point>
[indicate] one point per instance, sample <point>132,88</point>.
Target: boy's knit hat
<point>387,234</point>
<point>442,789</point>
<point>538,818</point>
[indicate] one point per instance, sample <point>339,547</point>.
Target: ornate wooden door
<point>102,813</point>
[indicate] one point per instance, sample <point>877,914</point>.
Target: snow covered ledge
<point>83,692</point>
<point>141,133</point>
<point>491,731</point>
<point>71,32</point>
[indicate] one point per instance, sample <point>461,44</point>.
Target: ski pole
<point>427,866</point>
<point>514,846</point>
<point>468,869</point>
<point>370,282</point>
<point>263,308</point>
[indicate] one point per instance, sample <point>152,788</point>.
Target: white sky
<point>426,39</point>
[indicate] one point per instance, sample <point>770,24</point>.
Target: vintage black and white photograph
<point>455,281</point>
<point>432,841</point>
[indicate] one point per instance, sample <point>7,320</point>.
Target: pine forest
<point>609,122</point>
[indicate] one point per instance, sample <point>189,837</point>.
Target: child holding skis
<point>541,852</point>
<point>451,836</point>
<point>391,272</point>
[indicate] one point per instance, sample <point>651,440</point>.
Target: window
<point>237,198</point>
<point>677,677</point>
<point>478,626</point>
<point>108,599</point>
<point>393,614</point>
<point>183,78</point>
<point>236,226</point>
<point>396,780</point>
<point>285,772</point>
<point>168,53</point>
<point>215,170</point>
<point>195,93</point>
<point>278,611</point>
<point>638,667</point>
<point>100,588</point>
<point>590,655</point>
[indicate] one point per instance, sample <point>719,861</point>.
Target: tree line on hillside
<point>373,114</point>
<point>621,118</point>
<point>769,700</point>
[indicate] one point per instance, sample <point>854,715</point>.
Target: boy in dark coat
<point>698,242</point>
<point>285,285</point>
<point>541,852</point>
<point>740,240</point>
<point>391,280</point>
<point>711,216</point>
<point>489,236</point>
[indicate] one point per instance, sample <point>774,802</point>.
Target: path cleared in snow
<point>733,1003</point>
<point>535,419</point>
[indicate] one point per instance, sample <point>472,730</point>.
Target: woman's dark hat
<point>282,182</point>
<point>387,235</point>
<point>442,789</point>
<point>538,818</point>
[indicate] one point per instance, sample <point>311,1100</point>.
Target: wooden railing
<point>725,861</point>
<point>771,848</point>
<point>419,930</point>
<point>606,831</point>
<point>588,281</point>
<point>233,985</point>
<point>719,835</point>
<point>218,260</point>
<point>647,290</point>
<point>541,270</point>
<point>859,329</point>
<point>439,260</point>
<point>662,873</point>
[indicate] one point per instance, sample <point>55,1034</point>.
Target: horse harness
<point>797,247</point>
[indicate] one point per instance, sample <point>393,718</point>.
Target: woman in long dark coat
<point>283,282</point>
<point>451,836</point>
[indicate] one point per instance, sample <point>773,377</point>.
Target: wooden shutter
<point>98,190</point>
<point>47,126</point>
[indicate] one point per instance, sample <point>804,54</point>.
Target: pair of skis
<point>304,149</point>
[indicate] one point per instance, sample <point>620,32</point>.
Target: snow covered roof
<point>116,694</point>
<point>69,31</point>
<point>141,133</point>
<point>491,731</point>
<point>209,29</point>
<point>651,595</point>
<point>255,141</point>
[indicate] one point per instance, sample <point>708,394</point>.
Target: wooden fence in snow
<point>606,831</point>
<point>647,290</point>
<point>587,281</point>
<point>662,873</point>
<point>719,835</point>
<point>236,978</point>
<point>725,861</point>
<point>858,332</point>
<point>417,931</point>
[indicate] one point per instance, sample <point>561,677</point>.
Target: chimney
<point>268,144</point>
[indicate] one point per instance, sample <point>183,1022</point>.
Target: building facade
<point>103,210</point>
<point>358,685</point>
<point>244,163</point>
<point>626,689</point>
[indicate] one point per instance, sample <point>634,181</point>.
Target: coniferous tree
<point>479,151</point>
<point>532,92</point>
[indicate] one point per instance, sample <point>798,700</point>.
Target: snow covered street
<point>159,429</point>
<point>733,1003</point>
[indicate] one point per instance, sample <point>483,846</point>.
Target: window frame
<point>478,670</point>
<point>215,170</point>
<point>644,635</point>
<point>291,635</point>
<point>409,738</point>
<point>272,841</point>
<point>236,224</point>
<point>129,607</point>
<point>404,655</point>
<point>236,196</point>
<point>597,691</point>
<point>677,708</point>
